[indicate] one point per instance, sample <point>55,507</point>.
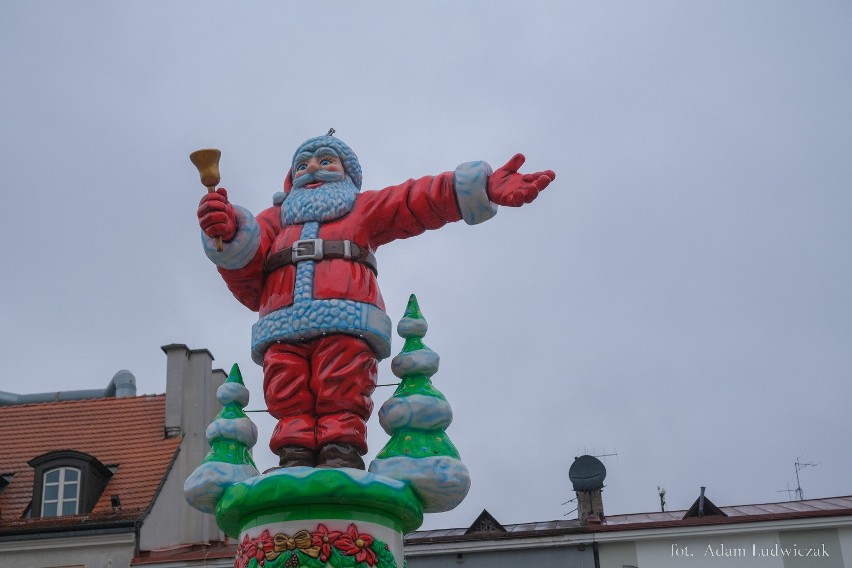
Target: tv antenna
<point>607,455</point>
<point>799,467</point>
<point>601,455</point>
<point>788,491</point>
<point>572,510</point>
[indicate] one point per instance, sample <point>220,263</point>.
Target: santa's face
<point>312,169</point>
<point>321,189</point>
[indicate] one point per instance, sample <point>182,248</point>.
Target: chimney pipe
<point>125,384</point>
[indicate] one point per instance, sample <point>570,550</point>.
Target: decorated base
<point>302,516</point>
<point>343,518</point>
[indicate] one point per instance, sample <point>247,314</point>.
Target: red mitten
<point>216,215</point>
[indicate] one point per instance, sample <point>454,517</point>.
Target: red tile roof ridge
<point>80,400</point>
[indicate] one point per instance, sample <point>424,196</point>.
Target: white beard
<point>330,201</point>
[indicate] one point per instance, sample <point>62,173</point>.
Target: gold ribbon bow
<point>301,541</point>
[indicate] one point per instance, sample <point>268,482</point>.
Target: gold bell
<point>207,162</point>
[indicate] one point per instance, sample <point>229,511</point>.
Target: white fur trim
<point>470,181</point>
<point>239,251</point>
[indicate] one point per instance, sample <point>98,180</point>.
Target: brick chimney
<point>587,474</point>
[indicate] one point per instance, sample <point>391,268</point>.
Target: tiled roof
<point>830,506</point>
<point>123,432</point>
<point>189,553</point>
<point>512,531</point>
<point>827,507</point>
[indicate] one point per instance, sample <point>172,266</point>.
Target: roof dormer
<point>67,482</point>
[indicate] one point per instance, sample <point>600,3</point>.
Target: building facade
<point>793,534</point>
<point>95,478</point>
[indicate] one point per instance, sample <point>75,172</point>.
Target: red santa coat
<point>377,218</point>
<point>314,299</point>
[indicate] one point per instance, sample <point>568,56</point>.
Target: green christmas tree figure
<point>416,417</point>
<point>231,435</point>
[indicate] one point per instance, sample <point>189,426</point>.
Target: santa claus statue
<point>307,265</point>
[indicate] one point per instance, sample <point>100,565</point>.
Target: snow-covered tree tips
<point>231,435</point>
<point>416,417</point>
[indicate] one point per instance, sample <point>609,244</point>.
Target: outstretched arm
<point>473,192</point>
<point>506,186</point>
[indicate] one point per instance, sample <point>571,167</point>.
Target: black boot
<point>294,456</point>
<point>340,455</point>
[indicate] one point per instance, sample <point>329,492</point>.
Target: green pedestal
<point>303,516</point>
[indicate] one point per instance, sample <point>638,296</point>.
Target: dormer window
<point>61,492</point>
<point>67,482</point>
<point>5,479</point>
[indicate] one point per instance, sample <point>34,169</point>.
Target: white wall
<point>191,404</point>
<point>748,547</point>
<point>104,551</point>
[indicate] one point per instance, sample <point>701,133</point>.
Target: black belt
<point>318,249</point>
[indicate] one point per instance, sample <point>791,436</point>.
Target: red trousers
<point>319,390</point>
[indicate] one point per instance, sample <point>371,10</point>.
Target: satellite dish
<point>587,473</point>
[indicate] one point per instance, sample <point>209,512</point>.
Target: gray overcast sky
<point>681,295</point>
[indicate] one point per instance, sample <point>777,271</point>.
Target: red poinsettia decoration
<point>254,548</point>
<point>358,545</point>
<point>324,538</point>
